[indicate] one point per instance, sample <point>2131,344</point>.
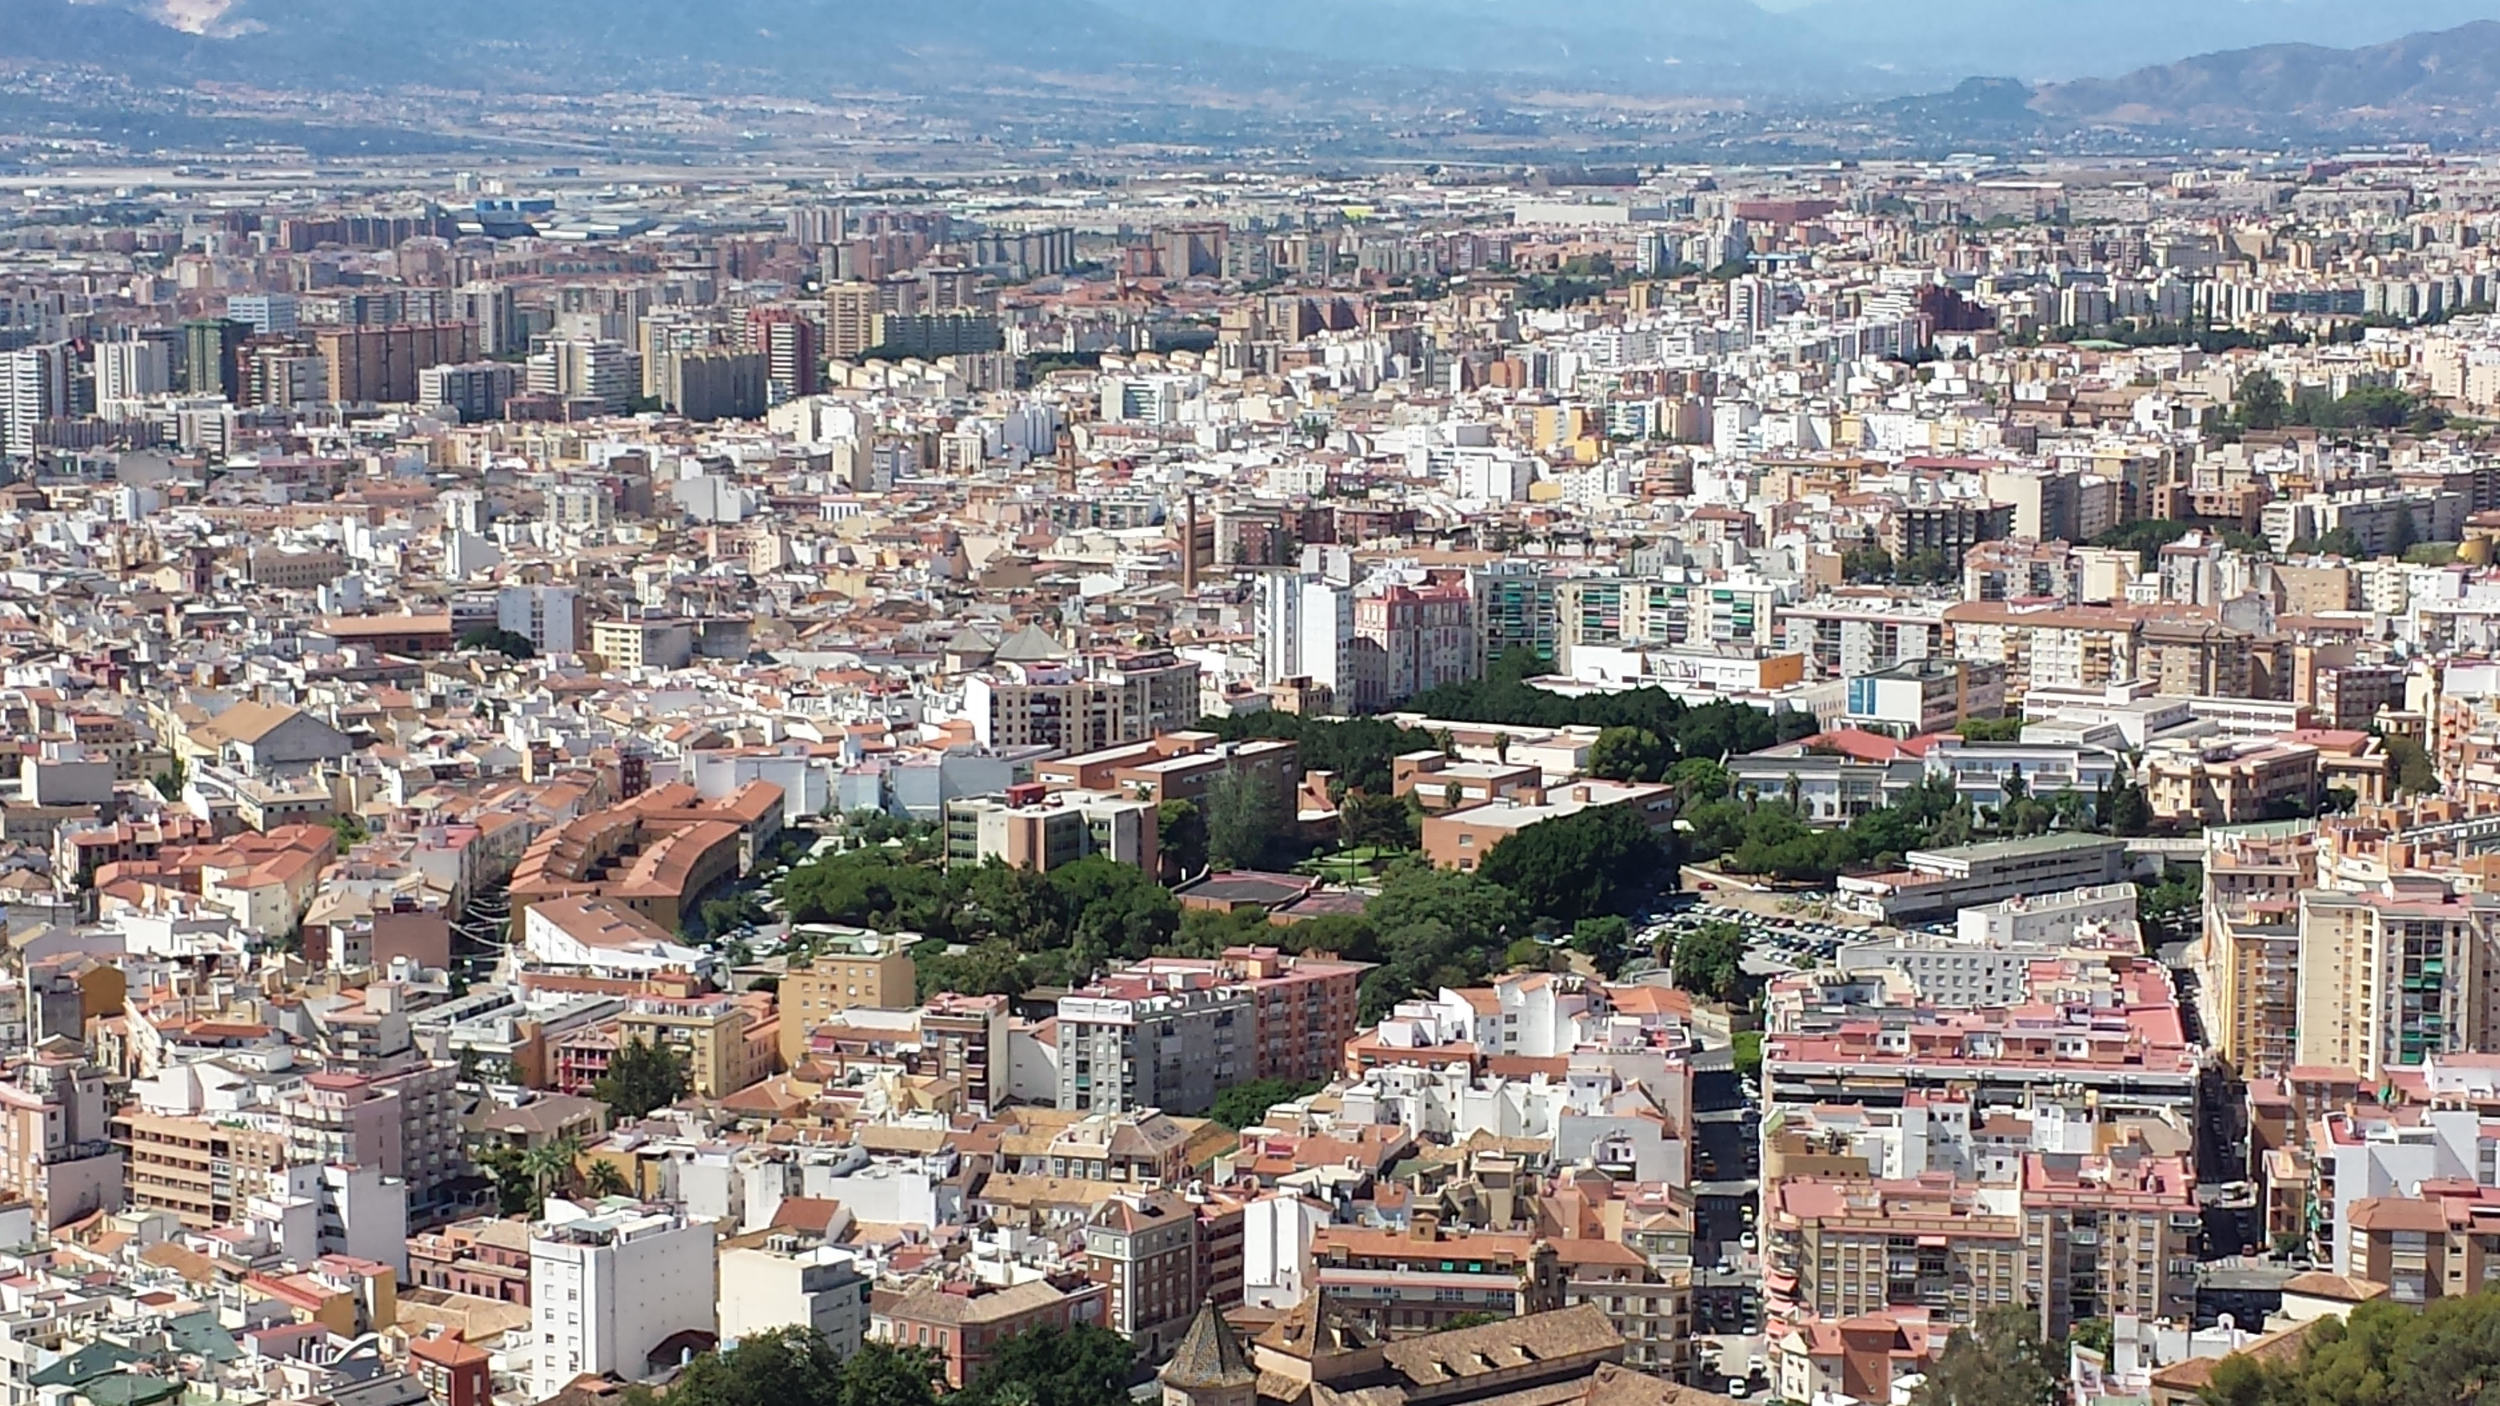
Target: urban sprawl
<point>1868,783</point>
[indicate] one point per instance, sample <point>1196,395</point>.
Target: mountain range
<point>2397,76</point>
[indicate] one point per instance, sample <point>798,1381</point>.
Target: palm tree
<point>551,1164</point>
<point>603,1179</point>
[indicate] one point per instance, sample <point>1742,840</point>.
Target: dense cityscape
<point>924,772</point>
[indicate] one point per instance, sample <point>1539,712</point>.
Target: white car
<point>1739,1388</point>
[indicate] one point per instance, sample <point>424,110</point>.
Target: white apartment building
<point>609,1284</point>
<point>786,1282</point>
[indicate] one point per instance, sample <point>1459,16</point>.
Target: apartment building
<point>202,1171</point>
<point>2197,783</point>
<point>1030,827</point>
<point>612,1288</point>
<point>1460,839</point>
<point>1080,706</point>
<point>1142,1248</point>
<point>962,1322</point>
<point>55,1145</point>
<point>1176,766</point>
<point>2443,1243</point>
<point>846,968</point>
<point>1155,1038</point>
<point>1835,1250</point>
<point>779,1279</point>
<point>1415,1281</point>
<point>712,1033</point>
<point>2247,953</point>
<point>2110,1235</point>
<point>2388,981</point>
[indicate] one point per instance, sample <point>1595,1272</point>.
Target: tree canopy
<point>642,1075</point>
<point>1998,1361</point>
<point>1600,860</point>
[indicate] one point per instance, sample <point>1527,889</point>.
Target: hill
<point>2439,83</point>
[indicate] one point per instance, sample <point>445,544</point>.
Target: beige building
<point>852,967</point>
<point>201,1171</point>
<point>2247,958</point>
<point>713,1033</point>
<point>2386,981</point>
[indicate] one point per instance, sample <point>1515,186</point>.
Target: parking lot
<point>1774,942</point>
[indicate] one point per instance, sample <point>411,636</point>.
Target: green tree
<point>552,1165</point>
<point>1630,754</point>
<point>1866,563</point>
<point>2413,773</point>
<point>509,643</point>
<point>1245,819</point>
<point>1699,779</point>
<point>1601,860</point>
<point>1745,1052</point>
<point>1434,927</point>
<point>2342,542</point>
<point>1999,1361</point>
<point>1365,820</point>
<point>1990,729</point>
<point>170,781</point>
<point>1244,1105</point>
<point>2259,404</point>
<point>350,830</point>
<point>1605,940</point>
<point>1707,961</point>
<point>1181,837</point>
<point>1081,1366</point>
<point>2130,813</point>
<point>642,1075</point>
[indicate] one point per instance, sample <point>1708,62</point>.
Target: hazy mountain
<point>2422,84</point>
<point>797,44</point>
<point>2041,40</point>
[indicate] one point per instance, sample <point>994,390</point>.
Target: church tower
<point>1209,1367</point>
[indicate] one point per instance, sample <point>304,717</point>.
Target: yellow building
<point>852,968</point>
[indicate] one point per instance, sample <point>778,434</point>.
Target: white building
<point>1276,1233</point>
<point>609,1284</point>
<point>788,1283</point>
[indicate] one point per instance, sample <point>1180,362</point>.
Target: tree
<point>1630,754</point>
<point>1181,838</point>
<point>552,1165</point>
<point>1866,563</point>
<point>1368,821</point>
<point>2129,813</point>
<point>1605,940</point>
<point>1699,779</point>
<point>642,1075</point>
<point>1707,960</point>
<point>1433,927</point>
<point>1081,1366</point>
<point>2259,404</point>
<point>1998,1361</point>
<point>170,781</point>
<point>1600,860</point>
<point>1990,729</point>
<point>1745,1052</point>
<point>1244,819</point>
<point>1244,1105</point>
<point>2340,542</point>
<point>601,1178</point>
<point>2413,773</point>
<point>797,1366</point>
<point>509,643</point>
<point>350,830</point>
